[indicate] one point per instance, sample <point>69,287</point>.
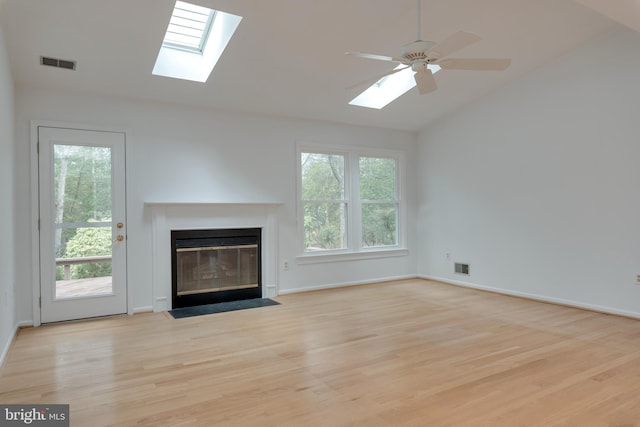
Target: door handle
<point>120,238</point>
<point>119,225</point>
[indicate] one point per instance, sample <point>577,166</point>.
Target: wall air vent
<point>58,63</point>
<point>461,268</point>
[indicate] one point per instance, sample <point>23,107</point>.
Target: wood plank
<point>83,287</point>
<point>405,353</point>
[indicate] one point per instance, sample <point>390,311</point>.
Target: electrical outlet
<point>285,265</point>
<point>448,256</point>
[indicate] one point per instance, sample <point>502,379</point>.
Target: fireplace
<point>215,265</point>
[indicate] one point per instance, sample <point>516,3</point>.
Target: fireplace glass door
<point>217,265</point>
<point>217,268</point>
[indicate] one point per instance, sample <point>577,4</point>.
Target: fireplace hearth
<point>215,265</point>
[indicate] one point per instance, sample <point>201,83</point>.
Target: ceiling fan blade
<point>452,44</point>
<point>372,80</point>
<point>481,64</point>
<point>425,81</point>
<point>377,57</point>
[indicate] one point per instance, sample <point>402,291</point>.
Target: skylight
<point>189,27</point>
<point>388,88</point>
<point>195,39</point>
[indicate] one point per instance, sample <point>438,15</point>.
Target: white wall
<point>537,186</point>
<point>7,171</point>
<point>193,155</point>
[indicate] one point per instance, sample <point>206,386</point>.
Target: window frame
<point>354,248</point>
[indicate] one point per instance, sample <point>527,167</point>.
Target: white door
<point>82,223</point>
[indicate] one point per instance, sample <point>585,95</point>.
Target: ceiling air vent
<point>58,63</point>
<point>462,268</point>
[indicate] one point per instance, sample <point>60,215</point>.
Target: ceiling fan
<point>420,53</point>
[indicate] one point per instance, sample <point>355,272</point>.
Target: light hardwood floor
<point>406,353</point>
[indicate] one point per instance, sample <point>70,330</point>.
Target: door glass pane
<point>82,220</point>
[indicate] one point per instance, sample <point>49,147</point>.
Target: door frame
<point>35,205</point>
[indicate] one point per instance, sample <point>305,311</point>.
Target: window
<point>324,201</point>
<point>379,201</point>
<point>349,200</point>
<point>189,27</point>
<point>195,39</point>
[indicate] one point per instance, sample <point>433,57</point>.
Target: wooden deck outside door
<point>82,223</point>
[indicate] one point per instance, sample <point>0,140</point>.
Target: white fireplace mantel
<point>170,215</point>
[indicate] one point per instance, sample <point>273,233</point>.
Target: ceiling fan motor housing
<point>416,51</point>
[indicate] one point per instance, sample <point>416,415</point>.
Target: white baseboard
<point>7,346</point>
<point>343,284</point>
<point>537,297</point>
<point>145,309</point>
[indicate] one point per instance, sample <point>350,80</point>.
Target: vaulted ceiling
<point>287,57</point>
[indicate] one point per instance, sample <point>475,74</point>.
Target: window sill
<point>317,258</point>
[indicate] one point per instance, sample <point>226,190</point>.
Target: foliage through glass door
<point>83,219</point>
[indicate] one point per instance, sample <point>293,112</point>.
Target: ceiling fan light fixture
<point>425,81</point>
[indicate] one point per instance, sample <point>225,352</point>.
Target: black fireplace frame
<point>222,237</point>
